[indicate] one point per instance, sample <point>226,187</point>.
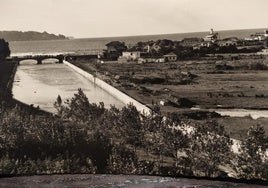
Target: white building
<point>131,56</point>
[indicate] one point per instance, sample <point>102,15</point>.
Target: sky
<point>106,18</point>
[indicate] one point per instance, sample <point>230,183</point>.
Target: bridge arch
<point>39,59</point>
<point>50,60</point>
<point>28,61</point>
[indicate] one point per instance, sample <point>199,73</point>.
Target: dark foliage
<point>87,138</point>
<point>4,50</point>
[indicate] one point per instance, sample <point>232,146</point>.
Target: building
<point>142,60</point>
<point>191,42</point>
<point>141,57</point>
<point>131,56</point>
<point>261,36</point>
<point>151,58</point>
<point>231,41</point>
<point>115,49</point>
<point>211,37</point>
<point>170,57</point>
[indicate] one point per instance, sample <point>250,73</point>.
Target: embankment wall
<point>110,89</point>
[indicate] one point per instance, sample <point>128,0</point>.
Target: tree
<point>4,50</point>
<point>252,161</point>
<point>210,147</point>
<point>131,123</point>
<point>59,106</point>
<point>79,108</point>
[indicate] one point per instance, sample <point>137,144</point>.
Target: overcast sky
<point>103,18</point>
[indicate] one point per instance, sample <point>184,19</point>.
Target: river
<point>41,84</point>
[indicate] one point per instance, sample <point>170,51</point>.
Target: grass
<point>237,127</point>
<point>240,87</point>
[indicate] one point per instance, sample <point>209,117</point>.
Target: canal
<point>40,85</point>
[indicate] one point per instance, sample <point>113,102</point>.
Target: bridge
<point>38,58</point>
<point>59,57</point>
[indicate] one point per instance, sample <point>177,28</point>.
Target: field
<point>178,86</point>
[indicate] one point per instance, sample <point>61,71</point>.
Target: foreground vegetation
<point>87,138</point>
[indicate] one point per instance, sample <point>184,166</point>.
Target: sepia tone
<point>133,93</point>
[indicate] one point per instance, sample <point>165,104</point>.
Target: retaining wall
<point>110,89</point>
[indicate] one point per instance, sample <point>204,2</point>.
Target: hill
<point>29,35</point>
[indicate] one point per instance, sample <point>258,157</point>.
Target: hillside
<point>29,35</point>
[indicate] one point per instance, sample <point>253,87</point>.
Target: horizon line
<point>135,35</point>
<point>141,35</point>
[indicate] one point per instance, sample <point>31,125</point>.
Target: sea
<point>93,45</point>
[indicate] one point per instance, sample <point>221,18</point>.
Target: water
<point>255,114</point>
<point>41,84</point>
<point>87,45</point>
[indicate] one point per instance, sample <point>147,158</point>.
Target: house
<point>156,47</point>
<point>141,57</point>
<point>151,58</point>
<point>231,41</point>
<point>211,37</point>
<point>170,57</point>
<point>191,42</point>
<point>260,36</point>
<point>131,56</point>
<point>115,49</point>
<point>160,60</point>
<point>142,60</point>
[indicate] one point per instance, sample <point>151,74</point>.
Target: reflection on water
<point>41,84</point>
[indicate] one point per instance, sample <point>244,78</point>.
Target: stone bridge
<point>38,58</point>
<point>59,57</point>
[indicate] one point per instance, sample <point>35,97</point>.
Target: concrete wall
<point>110,89</point>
